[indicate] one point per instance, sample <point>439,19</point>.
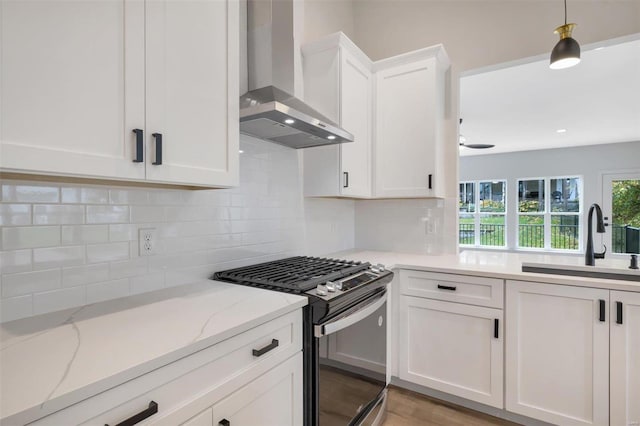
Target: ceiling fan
<point>462,140</point>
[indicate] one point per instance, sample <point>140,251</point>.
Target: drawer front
<point>216,370</point>
<point>471,290</point>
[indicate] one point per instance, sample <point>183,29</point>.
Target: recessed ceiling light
<point>289,121</point>
<point>561,131</point>
<point>240,152</point>
<point>331,137</point>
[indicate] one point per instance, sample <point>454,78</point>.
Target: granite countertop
<point>51,361</point>
<point>494,264</point>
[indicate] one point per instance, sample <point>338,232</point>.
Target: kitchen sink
<point>610,272</point>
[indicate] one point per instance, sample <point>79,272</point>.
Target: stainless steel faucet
<point>589,256</point>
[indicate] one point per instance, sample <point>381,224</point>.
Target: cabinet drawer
<point>216,371</point>
<point>471,290</point>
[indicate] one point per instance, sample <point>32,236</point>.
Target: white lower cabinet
<point>252,378</point>
<point>452,347</point>
<point>557,353</point>
<point>625,358</point>
<point>274,399</point>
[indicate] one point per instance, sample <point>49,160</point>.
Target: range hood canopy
<point>268,110</point>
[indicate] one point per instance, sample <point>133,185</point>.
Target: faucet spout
<point>590,256</point>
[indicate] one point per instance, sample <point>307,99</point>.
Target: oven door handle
<point>351,317</point>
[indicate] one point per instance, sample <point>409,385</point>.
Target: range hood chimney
<point>269,110</point>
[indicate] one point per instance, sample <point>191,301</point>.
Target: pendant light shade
<point>566,52</point>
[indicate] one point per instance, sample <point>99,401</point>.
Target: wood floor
<point>406,408</point>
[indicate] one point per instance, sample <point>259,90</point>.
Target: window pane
<point>466,200</point>
<point>492,230</point>
<point>625,202</point>
<point>531,231</point>
<point>467,230</point>
<point>492,196</point>
<point>531,195</point>
<point>564,232</point>
<point>564,195</point>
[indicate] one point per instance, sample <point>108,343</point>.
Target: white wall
<point>588,161</point>
<point>480,33</point>
<point>322,17</point>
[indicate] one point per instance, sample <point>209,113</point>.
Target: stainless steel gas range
<point>345,333</point>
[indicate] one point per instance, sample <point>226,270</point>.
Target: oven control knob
<point>331,286</point>
<point>321,290</point>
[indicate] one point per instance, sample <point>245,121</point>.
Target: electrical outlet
<point>147,241</point>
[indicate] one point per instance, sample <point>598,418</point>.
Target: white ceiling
<point>520,107</point>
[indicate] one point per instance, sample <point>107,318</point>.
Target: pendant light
<point>566,52</point>
<point>462,140</point>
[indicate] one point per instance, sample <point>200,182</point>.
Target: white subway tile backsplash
<point>24,193</point>
<point>57,300</point>
<point>107,214</point>
<point>15,214</point>
<point>124,232</point>
<point>30,282</point>
<point>128,196</point>
<point>15,261</point>
<point>52,257</point>
<point>129,268</point>
<point>85,195</point>
<point>107,290</point>
<point>14,308</point>
<point>21,237</point>
<point>85,234</point>
<point>107,252</point>
<point>47,214</point>
<point>142,214</point>
<point>86,274</point>
<point>145,283</point>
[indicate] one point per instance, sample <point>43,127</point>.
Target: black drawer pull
<point>259,352</point>
<point>158,137</point>
<point>224,422</point>
<point>447,287</point>
<point>496,328</point>
<point>430,181</point>
<point>618,312</point>
<point>602,310</point>
<point>346,179</point>
<point>139,145</point>
<point>142,415</point>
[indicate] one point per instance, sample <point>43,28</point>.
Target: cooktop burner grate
<point>294,274</point>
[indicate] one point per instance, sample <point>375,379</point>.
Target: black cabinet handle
<point>346,179</point>
<point>446,287</point>
<point>224,422</point>
<point>602,310</point>
<point>618,312</point>
<point>142,415</point>
<point>139,145</point>
<point>496,328</point>
<point>430,181</point>
<point>259,352</point>
<point>158,137</point>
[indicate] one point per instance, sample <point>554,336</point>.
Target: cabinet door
<point>405,145</point>
<point>72,81</point>
<point>557,353</point>
<point>453,348</point>
<point>192,91</point>
<point>356,113</point>
<point>205,418</point>
<point>273,399</point>
<point>625,358</point>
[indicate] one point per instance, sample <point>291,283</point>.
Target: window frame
<point>547,215</point>
<point>477,214</point>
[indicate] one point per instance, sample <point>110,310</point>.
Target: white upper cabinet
<point>85,85</point>
<point>410,124</point>
<point>72,81</point>
<point>192,91</point>
<point>339,84</point>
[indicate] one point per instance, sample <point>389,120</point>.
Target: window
<point>482,210</point>
<point>549,212</point>
<point>621,199</point>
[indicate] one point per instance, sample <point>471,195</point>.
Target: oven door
<point>352,355</point>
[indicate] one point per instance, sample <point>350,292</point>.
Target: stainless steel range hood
<point>269,110</point>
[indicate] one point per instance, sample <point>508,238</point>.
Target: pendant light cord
<point>565,12</point>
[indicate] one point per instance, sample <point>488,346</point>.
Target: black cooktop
<point>294,274</point>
